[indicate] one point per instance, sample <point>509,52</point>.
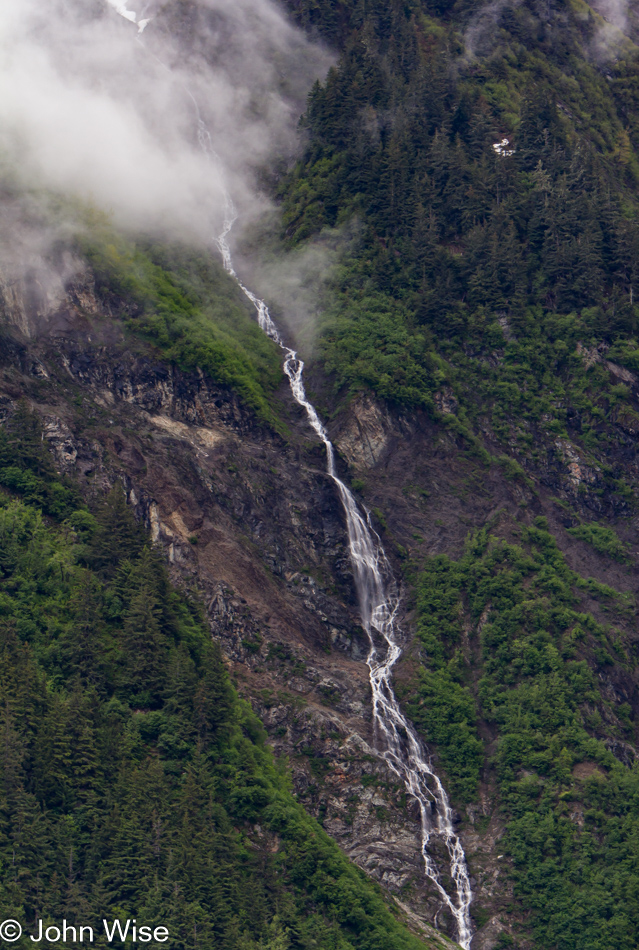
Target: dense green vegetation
<point>506,278</point>
<point>184,303</point>
<point>133,781</point>
<point>29,471</point>
<point>481,269</point>
<point>505,640</point>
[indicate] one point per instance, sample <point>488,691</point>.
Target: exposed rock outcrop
<point>364,438</point>
<point>251,524</point>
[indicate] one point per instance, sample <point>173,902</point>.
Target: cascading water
<point>378,598</point>
<point>379,603</point>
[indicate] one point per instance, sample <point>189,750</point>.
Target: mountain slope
<point>477,360</point>
<point>489,155</point>
<point>134,781</point>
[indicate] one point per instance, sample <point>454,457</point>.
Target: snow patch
<point>502,148</point>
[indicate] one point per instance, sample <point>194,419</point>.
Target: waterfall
<point>378,602</point>
<point>121,8</point>
<point>398,743</point>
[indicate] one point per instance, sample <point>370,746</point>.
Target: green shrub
<point>602,539</point>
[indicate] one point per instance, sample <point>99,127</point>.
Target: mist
<point>299,285</point>
<point>611,38</point>
<point>100,101</point>
<point>614,12</point>
<point>480,34</point>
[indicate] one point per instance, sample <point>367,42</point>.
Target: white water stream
<point>378,597</point>
<point>120,6</point>
<point>379,602</point>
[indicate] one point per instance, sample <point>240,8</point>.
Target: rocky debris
<point>578,469</point>
<point>196,435</point>
<point>574,476</point>
<point>489,935</point>
<point>181,404</point>
<point>622,374</point>
<point>61,440</point>
<point>506,329</point>
<point>623,751</point>
<point>38,370</point>
<point>430,932</point>
<point>591,355</point>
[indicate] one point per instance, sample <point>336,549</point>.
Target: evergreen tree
<point>117,537</point>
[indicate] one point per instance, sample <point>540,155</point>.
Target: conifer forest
<point>319,474</point>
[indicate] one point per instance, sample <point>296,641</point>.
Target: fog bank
<point>99,100</point>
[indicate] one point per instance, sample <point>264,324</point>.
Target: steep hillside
<point>134,782</point>
<point>477,360</point>
<point>489,155</point>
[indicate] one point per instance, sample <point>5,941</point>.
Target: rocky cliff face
<point>250,523</point>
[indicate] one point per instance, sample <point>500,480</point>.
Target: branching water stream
<point>397,741</point>
<point>378,602</point>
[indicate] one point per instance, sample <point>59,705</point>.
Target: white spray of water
<point>378,597</point>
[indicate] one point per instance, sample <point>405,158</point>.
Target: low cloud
<point>613,33</point>
<point>301,284</point>
<point>480,36</point>
<point>95,106</point>
<point>614,12</point>
<point>617,22</point>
